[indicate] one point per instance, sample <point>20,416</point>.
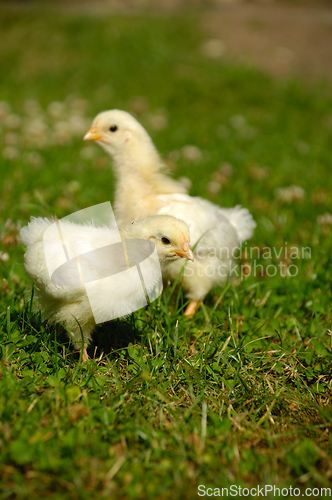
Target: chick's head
<point>117,132</point>
<point>169,234</point>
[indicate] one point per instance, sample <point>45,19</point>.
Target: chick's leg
<point>80,335</point>
<point>85,356</point>
<point>192,307</point>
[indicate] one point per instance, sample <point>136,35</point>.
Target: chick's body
<point>143,189</point>
<point>70,305</point>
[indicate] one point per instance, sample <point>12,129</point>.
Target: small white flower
<point>139,105</point>
<point>259,173</point>
<point>62,133</point>
<point>174,155</point>
<point>56,110</point>
<point>290,194</point>
<point>158,120</point>
<point>213,187</point>
<point>36,127</point>
<point>36,133</point>
<point>237,121</point>
<point>325,219</point>
<point>74,186</point>
<point>4,256</point>
<point>191,153</point>
<point>11,153</point>
<point>186,182</point>
<point>88,152</point>
<point>77,124</point>
<point>12,121</point>
<point>226,169</point>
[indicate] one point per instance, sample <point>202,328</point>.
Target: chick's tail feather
<point>242,220</point>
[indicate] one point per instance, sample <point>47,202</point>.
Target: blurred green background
<point>134,426</point>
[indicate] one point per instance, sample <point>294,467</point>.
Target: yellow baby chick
<point>64,299</point>
<point>142,189</point>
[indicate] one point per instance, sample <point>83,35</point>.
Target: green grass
<point>239,395</point>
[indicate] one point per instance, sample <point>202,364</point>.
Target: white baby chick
<point>142,189</point>
<point>69,305</point>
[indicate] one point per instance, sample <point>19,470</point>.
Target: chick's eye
<point>113,128</point>
<point>165,241</point>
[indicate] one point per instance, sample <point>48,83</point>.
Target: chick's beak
<point>94,135</point>
<point>185,252</point>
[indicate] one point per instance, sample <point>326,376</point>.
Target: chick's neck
<point>138,179</point>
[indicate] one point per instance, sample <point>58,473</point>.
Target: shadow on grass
<point>111,336</point>
<point>107,339</point>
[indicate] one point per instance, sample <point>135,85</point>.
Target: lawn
<point>241,394</point>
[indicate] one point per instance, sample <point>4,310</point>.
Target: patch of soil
<point>281,39</point>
